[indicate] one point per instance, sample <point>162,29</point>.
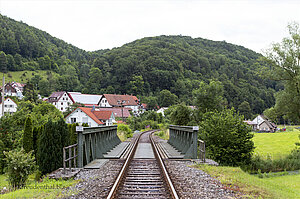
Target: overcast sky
<point>93,25</point>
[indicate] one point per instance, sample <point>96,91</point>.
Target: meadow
<point>276,145</point>
<point>266,185</point>
<point>24,76</point>
<point>48,188</point>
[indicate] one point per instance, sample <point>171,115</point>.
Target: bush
<point>2,162</point>
<point>125,128</point>
<point>227,137</point>
<point>19,166</point>
<point>288,163</point>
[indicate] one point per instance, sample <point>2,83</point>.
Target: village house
<point>10,106</point>
<point>88,100</point>
<point>122,113</point>
<point>127,101</point>
<point>60,100</point>
<point>91,116</point>
<point>13,89</point>
<point>262,123</point>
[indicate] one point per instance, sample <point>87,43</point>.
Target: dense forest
<point>161,70</point>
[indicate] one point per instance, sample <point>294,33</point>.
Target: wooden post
<point>74,157</point>
<point>70,160</point>
<point>64,160</point>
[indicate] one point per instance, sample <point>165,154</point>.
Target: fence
<point>184,139</point>
<point>201,145</point>
<point>70,157</point>
<point>93,142</point>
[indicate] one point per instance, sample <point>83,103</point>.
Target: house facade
<point>127,101</point>
<point>60,100</point>
<point>10,106</point>
<point>13,89</point>
<point>91,116</point>
<point>262,123</point>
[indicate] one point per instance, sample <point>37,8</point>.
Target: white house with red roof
<point>10,106</point>
<point>60,100</point>
<point>91,116</point>
<point>127,101</point>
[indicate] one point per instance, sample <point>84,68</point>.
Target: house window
<point>67,99</point>
<point>5,105</point>
<point>63,98</point>
<point>84,119</point>
<point>11,106</point>
<point>73,120</point>
<point>68,103</point>
<point>61,108</point>
<point>62,103</point>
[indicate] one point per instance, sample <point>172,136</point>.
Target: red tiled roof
<point>118,111</point>
<point>144,105</point>
<point>115,100</point>
<point>102,115</point>
<point>89,112</point>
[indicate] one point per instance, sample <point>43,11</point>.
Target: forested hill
<point>144,67</point>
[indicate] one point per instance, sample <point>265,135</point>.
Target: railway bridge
<point>143,173</point>
<point>96,143</point>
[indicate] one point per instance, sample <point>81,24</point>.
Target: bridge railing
<point>201,156</point>
<point>93,142</point>
<point>70,157</point>
<point>184,139</point>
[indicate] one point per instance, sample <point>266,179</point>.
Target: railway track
<point>143,174</point>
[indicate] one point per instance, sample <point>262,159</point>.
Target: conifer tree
<point>53,138</point>
<point>28,136</point>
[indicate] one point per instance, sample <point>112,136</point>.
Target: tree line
<point>153,68</point>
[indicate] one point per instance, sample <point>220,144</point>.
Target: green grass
<point>275,145</point>
<point>3,181</point>
<point>163,134</point>
<point>49,188</point>
<point>24,76</point>
<point>274,187</point>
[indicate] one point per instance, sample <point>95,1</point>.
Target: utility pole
<point>3,87</point>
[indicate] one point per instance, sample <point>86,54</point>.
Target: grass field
<point>275,145</point>
<point>49,188</point>
<point>253,187</point>
<point>23,76</point>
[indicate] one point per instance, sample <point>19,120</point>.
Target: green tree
<point>181,115</point>
<point>209,97</point>
<point>3,62</point>
<point>30,93</point>
<point>151,102</point>
<point>137,85</point>
<point>53,138</point>
<point>166,98</point>
<point>245,109</point>
<point>227,138</point>
<point>95,80</point>
<point>28,135</point>
<point>284,59</point>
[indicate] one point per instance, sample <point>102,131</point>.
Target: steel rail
<point>113,190</point>
<point>164,170</point>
